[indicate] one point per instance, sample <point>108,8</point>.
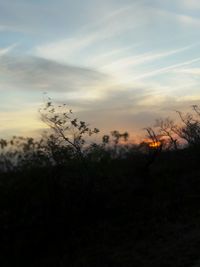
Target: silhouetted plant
<point>154,147</point>
<point>189,130</point>
<point>67,128</point>
<point>117,136</point>
<point>166,128</point>
<point>105,139</point>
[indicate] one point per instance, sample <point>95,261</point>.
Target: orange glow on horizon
<point>155,144</point>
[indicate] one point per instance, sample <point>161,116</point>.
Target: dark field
<point>111,212</point>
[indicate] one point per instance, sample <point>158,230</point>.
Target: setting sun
<point>155,144</point>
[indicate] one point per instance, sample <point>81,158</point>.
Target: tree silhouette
<point>67,128</point>
<point>166,128</point>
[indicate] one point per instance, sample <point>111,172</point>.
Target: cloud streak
<point>141,59</point>
<point>166,69</point>
<point>32,73</point>
<point>113,25</point>
<point>7,50</point>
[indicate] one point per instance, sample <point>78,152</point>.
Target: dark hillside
<point>109,215</point>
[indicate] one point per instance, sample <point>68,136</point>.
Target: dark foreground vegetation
<point>65,203</point>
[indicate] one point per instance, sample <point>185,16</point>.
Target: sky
<point>118,64</point>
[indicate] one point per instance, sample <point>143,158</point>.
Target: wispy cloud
<point>190,4</point>
<point>4,28</point>
<point>65,49</point>
<point>188,71</point>
<point>179,16</point>
<point>188,20</point>
<point>166,69</point>
<point>141,59</point>
<point>118,22</point>
<point>31,73</point>
<point>6,50</point>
